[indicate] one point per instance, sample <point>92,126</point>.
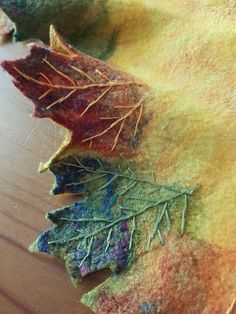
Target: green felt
<point>85,24</point>
<point>124,215</point>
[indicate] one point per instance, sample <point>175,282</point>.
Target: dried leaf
<point>102,107</point>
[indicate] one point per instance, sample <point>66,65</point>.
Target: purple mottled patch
<point>123,226</point>
<point>43,242</point>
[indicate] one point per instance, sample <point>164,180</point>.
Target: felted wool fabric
<point>186,276</point>
<point>109,227</point>
<point>90,93</point>
<point>185,52</point>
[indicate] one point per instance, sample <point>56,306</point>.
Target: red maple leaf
<point>101,106</point>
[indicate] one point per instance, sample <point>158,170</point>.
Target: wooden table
<point>29,283</point>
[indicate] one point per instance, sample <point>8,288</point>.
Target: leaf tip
<point>40,245</point>
<point>5,64</point>
<point>33,247</point>
<point>58,44</point>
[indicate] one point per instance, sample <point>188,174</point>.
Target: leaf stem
<point>94,219</point>
<point>85,181</point>
<point>231,307</point>
<point>115,122</point>
<point>88,252</point>
<point>108,239</point>
<point>108,183</point>
<point>122,175</point>
<point>168,220</point>
<point>155,227</point>
<point>84,87</point>
<point>160,237</point>
<point>184,214</point>
<point>100,163</point>
<point>132,232</point>
<point>128,188</point>
<point>95,101</point>
<point>130,216</point>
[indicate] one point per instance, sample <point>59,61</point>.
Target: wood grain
<point>29,283</point>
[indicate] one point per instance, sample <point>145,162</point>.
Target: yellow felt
<point>186,51</point>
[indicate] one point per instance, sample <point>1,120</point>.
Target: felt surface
<point>185,51</point>
<point>122,216</point>
<point>101,106</point>
<point>86,24</point>
<point>186,276</point>
<point>87,254</point>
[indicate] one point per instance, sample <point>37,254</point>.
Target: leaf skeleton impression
<point>102,107</point>
<point>141,194</point>
<point>96,236</point>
